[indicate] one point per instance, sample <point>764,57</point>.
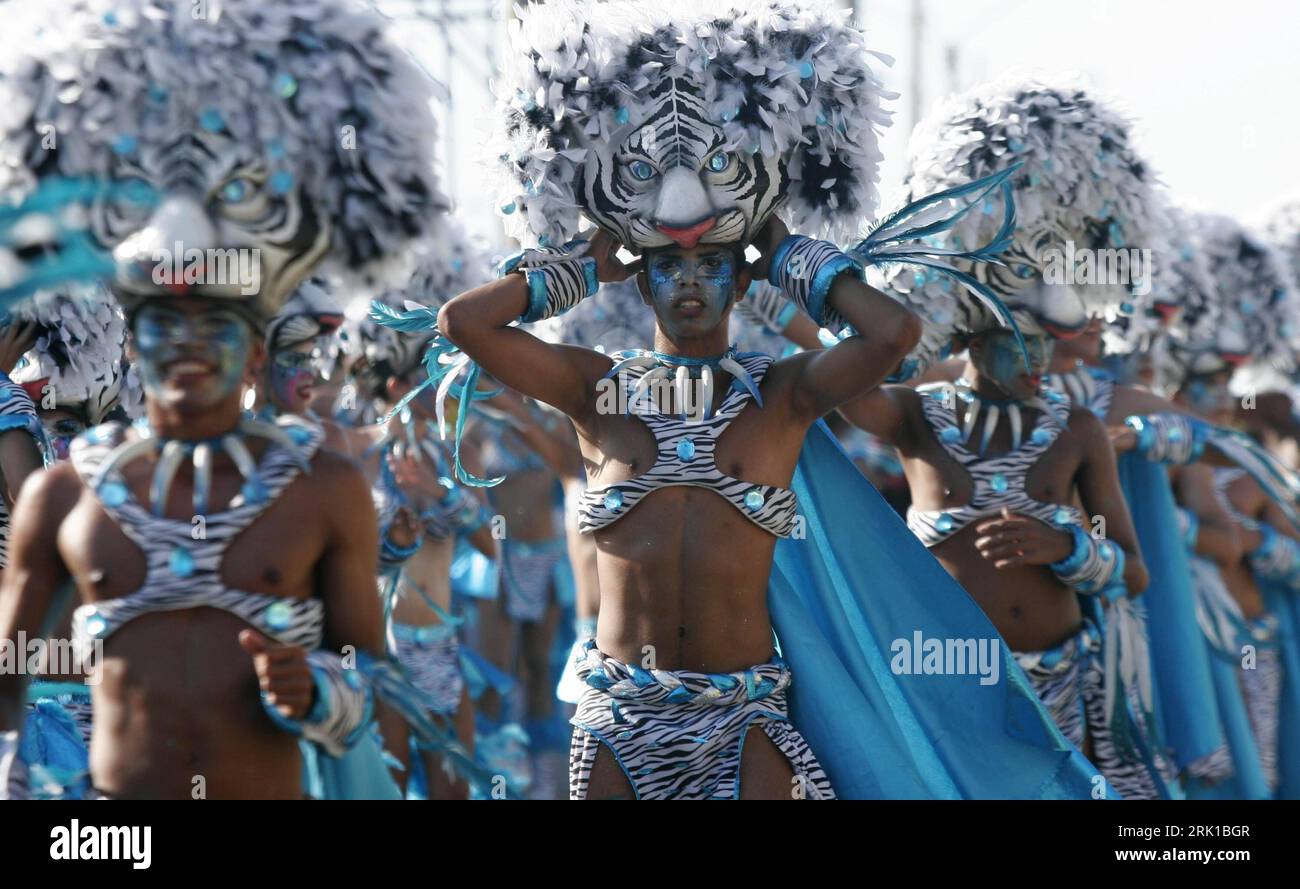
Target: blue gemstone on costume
<point>279,616</point>
<point>622,116</point>
<point>1015,145</point>
<point>998,483</point>
<point>1040,436</point>
<point>1051,658</point>
<point>110,19</point>
<point>95,624</point>
<point>113,493</point>
<point>730,114</point>
<point>212,121</point>
<point>299,434</point>
<point>685,449</point>
<point>253,493</point>
<point>950,434</point>
<point>821,120</point>
<point>1105,553</point>
<point>124,144</point>
<point>181,562</point>
<point>1126,308</point>
<point>754,499</point>
<point>1061,516</point>
<point>943,524</point>
<point>544,241</point>
<point>614,499</point>
<point>275,149</point>
<point>508,208</point>
<point>968,397</point>
<point>806,70</point>
<point>282,182</point>
<point>157,94</point>
<point>286,85</point>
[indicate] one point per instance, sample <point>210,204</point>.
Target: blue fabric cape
<point>1185,700</point>
<point>840,597</point>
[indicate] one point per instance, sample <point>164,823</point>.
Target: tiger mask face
<point>221,227</point>
<point>671,178</point>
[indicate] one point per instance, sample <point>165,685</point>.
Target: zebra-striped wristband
<point>805,269</point>
<point>1171,439</point>
<point>1276,557</point>
<point>1093,567</point>
<point>342,710</point>
<point>558,278</point>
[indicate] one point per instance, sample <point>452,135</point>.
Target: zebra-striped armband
<point>804,269</point>
<point>13,771</point>
<point>343,707</point>
<point>1171,439</point>
<point>1189,526</point>
<point>1093,567</point>
<point>1276,557</point>
<point>558,278</point>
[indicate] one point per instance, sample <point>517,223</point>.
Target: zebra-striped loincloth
<point>527,572</point>
<point>679,735</point>
<point>1262,690</point>
<point>430,657</point>
<point>1070,680</point>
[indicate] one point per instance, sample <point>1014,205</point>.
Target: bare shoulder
<point>56,488</point>
<point>338,479</point>
<point>1088,428</point>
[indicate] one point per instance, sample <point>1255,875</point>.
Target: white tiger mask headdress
<point>1082,189</point>
<point>268,135</point>
<point>79,361</point>
<point>673,122</point>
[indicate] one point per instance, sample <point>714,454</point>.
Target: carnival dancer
<point>142,524</point>
<point>679,132</point>
<point>999,465</point>
<point>422,509</point>
<point>1244,606</point>
<point>77,376</point>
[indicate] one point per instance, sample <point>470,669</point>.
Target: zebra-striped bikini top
<point>1089,387</point>
<point>182,572</point>
<point>685,449</point>
<point>999,481</point>
<point>1224,476</point>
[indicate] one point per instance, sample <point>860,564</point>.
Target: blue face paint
<point>1002,362</point>
<point>199,356</point>
<point>291,378</point>
<point>691,289</point>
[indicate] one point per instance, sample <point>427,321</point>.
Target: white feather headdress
<point>313,87</point>
<point>784,80</point>
<point>80,354</point>
<point>1083,189</point>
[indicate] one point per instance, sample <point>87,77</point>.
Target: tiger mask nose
<point>683,211</point>
<point>180,223</point>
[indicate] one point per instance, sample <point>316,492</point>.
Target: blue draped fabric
<point>1185,700</point>
<point>1248,782</point>
<point>839,598</point>
<point>1285,604</point>
<point>360,773</point>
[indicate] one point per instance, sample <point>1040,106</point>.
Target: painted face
<point>61,427</point>
<point>669,177</point>
<point>224,226</point>
<point>191,354</point>
<point>1209,396</point>
<point>1000,360</point>
<point>291,375</point>
<point>691,290</point>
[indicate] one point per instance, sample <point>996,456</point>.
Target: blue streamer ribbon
<point>443,363</point>
<point>888,242</point>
